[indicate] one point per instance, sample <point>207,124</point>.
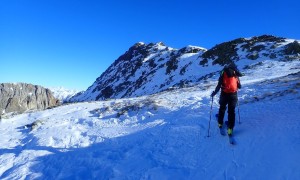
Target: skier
<point>229,83</point>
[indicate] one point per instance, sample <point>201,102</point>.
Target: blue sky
<point>70,43</point>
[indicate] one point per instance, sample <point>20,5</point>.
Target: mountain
<point>21,97</point>
<point>151,68</point>
<point>164,135</point>
<point>62,93</point>
<point>143,69</point>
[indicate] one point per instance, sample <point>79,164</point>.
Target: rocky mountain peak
<point>266,46</point>
<point>192,49</point>
<point>155,67</point>
<point>160,44</point>
<point>139,44</point>
<point>266,38</point>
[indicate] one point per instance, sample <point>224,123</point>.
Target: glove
<point>213,94</point>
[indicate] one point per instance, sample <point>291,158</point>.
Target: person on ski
<point>229,83</point>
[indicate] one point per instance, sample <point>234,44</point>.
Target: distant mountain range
<point>62,93</point>
<point>151,68</point>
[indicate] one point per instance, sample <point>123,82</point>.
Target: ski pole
<point>212,100</point>
<point>239,111</point>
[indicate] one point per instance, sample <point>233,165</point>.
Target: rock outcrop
<point>20,97</point>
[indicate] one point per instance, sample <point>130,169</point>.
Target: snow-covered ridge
<point>152,68</point>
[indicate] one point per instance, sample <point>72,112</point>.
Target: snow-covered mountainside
<point>62,93</point>
<point>164,135</point>
<point>143,69</point>
<point>151,68</point>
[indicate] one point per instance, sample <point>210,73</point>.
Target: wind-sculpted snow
<point>164,135</point>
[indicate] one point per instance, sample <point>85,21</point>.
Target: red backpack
<point>230,84</point>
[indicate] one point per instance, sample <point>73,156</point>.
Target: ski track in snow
<point>162,136</point>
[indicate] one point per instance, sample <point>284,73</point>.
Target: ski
<point>232,140</point>
<point>223,131</point>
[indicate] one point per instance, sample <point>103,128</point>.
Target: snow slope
<point>163,136</point>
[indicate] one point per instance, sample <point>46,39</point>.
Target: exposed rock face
<point>21,97</point>
<point>293,48</point>
<point>227,52</point>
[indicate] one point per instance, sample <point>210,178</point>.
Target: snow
<point>150,78</point>
<point>163,136</point>
<point>62,93</point>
